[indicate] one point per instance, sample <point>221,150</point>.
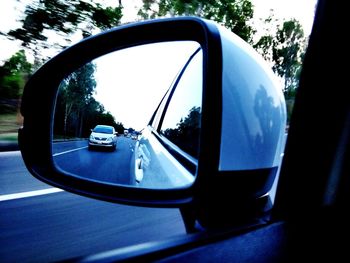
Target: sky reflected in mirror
<point>131,82</point>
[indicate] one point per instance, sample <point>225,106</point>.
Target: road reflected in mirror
<point>103,109</point>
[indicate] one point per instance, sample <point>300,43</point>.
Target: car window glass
<point>101,129</point>
<point>181,124</point>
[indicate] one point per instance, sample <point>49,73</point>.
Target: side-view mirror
<point>210,114</point>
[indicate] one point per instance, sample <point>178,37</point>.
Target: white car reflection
<point>103,136</point>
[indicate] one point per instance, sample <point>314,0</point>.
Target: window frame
<point>188,161</point>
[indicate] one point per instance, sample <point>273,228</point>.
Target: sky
<point>301,10</point>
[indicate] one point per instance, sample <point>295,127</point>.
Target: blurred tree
<point>13,75</point>
<point>64,18</point>
<point>284,45</point>
<point>289,47</point>
<point>263,42</point>
<point>119,127</point>
<point>233,14</point>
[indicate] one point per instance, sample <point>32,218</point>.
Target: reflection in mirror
<point>181,123</point>
<point>103,107</point>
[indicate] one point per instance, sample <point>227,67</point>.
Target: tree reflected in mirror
<point>186,135</point>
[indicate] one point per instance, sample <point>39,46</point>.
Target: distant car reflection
<point>103,136</point>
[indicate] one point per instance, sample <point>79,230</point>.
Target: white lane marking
<point>10,153</point>
<point>77,149</point>
<point>29,194</point>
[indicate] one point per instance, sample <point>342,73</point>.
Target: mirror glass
<point>103,107</point>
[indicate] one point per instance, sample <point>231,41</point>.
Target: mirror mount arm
<point>189,218</point>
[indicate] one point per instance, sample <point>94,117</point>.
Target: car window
<point>101,129</point>
<point>181,123</point>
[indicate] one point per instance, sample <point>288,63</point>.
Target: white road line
<point>10,153</point>
<point>29,194</point>
<point>77,149</point>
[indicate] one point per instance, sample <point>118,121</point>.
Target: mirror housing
<point>213,185</point>
<point>36,132</point>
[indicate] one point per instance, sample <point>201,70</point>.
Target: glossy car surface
<point>167,130</point>
<point>103,136</point>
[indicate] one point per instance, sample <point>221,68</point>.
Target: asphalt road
<point>39,227</point>
<point>99,164</point>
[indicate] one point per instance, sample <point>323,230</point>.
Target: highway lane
<point>119,166</point>
<point>14,177</point>
<point>62,225</point>
<point>99,164</point>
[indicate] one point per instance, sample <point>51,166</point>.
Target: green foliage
<point>288,48</point>
<point>63,17</point>
<point>13,76</point>
<point>107,18</point>
<point>186,135</point>
<point>285,49</point>
<point>284,46</point>
<point>233,14</point>
<point>264,46</point>
<point>119,127</point>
